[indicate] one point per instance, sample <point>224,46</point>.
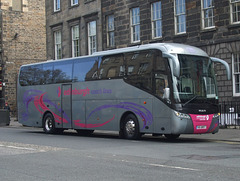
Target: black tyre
<point>130,128</point>
<point>172,136</point>
<point>49,124</point>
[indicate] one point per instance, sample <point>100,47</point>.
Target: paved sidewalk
<point>231,135</point>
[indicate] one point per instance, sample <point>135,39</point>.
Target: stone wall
<point>220,41</point>
<point>23,41</point>
<point>68,16</point>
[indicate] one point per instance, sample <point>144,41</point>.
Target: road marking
<point>27,147</point>
<point>163,166</point>
<point>142,163</point>
<point>228,142</point>
<point>174,167</point>
<point>20,148</point>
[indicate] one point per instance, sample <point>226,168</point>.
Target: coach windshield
<point>197,82</point>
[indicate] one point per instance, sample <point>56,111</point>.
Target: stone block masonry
<point>23,41</point>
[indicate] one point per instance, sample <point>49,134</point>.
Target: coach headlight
<point>182,115</point>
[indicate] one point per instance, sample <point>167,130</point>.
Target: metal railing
<point>230,113</point>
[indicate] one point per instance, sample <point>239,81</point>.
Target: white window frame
<point>92,37</point>
<point>57,5</point>
<point>234,73</point>
<point>57,44</point>
<point>135,24</point>
<point>233,6</point>
<point>180,16</point>
<point>74,2</point>
<point>156,18</point>
<point>75,41</point>
<point>206,19</point>
<point>110,31</point>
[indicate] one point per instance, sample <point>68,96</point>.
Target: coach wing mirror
<point>175,63</point>
<point>225,64</point>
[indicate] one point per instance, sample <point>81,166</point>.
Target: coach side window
<point>62,72</point>
<point>31,75</point>
<point>85,70</point>
<point>111,66</point>
<point>25,77</point>
<point>139,69</point>
<point>47,73</point>
<point>161,77</point>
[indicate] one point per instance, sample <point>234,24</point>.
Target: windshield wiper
<point>194,97</point>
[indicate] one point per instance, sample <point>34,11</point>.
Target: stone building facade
<point>212,25</point>
<point>23,41</point>
<point>74,28</point>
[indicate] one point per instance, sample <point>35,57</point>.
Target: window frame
<point>235,94</point>
<point>57,5</point>
<point>75,41</point>
<point>205,18</point>
<point>110,31</point>
<point>135,25</point>
<point>74,2</point>
<point>154,13</point>
<point>177,15</point>
<point>231,12</point>
<point>92,38</point>
<point>57,44</point>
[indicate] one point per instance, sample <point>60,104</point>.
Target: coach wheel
<point>172,136</point>
<point>49,124</point>
<point>131,127</point>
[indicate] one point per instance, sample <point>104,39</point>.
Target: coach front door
<point>67,105</point>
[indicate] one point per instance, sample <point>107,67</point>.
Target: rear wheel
<point>130,129</point>
<point>49,124</point>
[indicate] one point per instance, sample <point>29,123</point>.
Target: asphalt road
<point>28,154</point>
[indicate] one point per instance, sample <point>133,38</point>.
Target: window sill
<point>73,6</point>
<point>135,43</point>
<point>88,1</point>
<point>55,12</point>
<point>155,40</point>
<point>180,35</point>
<point>236,95</point>
<point>111,47</point>
<point>235,25</point>
<point>205,30</point>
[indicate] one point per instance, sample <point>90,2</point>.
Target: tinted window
<point>111,67</point>
<point>85,70</point>
<point>24,76</point>
<point>47,73</point>
<point>62,72</point>
<point>139,68</point>
<point>37,74</point>
<point>31,75</point>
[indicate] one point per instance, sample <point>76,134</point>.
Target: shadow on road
<point>114,135</point>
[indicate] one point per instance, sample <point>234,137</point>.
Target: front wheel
<point>130,129</point>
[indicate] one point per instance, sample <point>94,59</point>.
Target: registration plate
<point>201,127</point>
